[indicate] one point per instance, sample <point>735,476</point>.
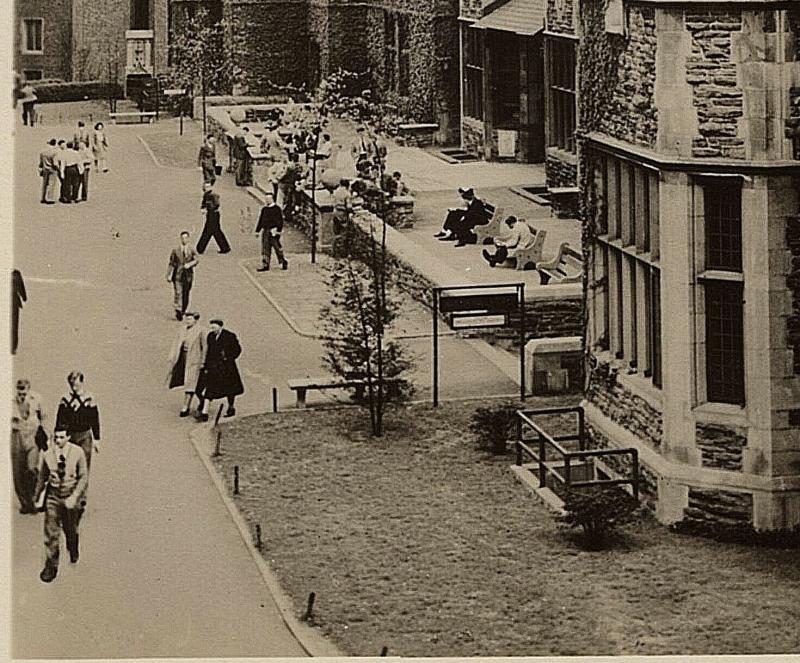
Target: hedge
<point>77,91</point>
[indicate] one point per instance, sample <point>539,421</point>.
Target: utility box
<point>554,365</point>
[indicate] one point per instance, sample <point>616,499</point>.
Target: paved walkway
<point>163,570</point>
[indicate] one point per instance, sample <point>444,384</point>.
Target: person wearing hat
<point>220,377</point>
<point>459,222</point>
<point>186,358</point>
<point>519,235</point>
<point>213,226</point>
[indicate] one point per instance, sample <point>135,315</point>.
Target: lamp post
<point>315,131</point>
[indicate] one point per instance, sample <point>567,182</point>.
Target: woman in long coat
<point>186,359</point>
<point>221,377</point>
<point>100,148</point>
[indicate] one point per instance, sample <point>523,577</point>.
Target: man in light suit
<point>180,272</point>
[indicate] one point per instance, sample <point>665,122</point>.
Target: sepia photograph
<point>402,328</point>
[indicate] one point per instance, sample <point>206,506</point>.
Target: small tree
<point>598,510</point>
<point>355,323</point>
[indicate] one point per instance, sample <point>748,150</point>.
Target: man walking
<point>270,225</point>
<point>180,272</point>
<point>63,470</point>
<point>221,377</point>
<point>212,227</point>
<point>72,172</point>
<point>207,159</point>
<point>79,417</point>
<point>48,170</point>
<point>27,415</point>
<point>81,135</point>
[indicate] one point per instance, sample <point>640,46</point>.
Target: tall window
<point>140,14</point>
<point>561,93</point>
<point>505,80</point>
<point>473,73</point>
<point>723,288</point>
<point>32,35</point>
<point>397,61</point>
<point>626,291</point>
<point>724,342</point>
<point>33,74</point>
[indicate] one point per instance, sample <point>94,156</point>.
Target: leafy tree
<point>355,323</point>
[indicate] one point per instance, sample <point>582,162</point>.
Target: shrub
<point>598,510</point>
<point>493,426</point>
<point>77,91</point>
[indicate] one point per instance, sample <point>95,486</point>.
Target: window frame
<point>474,45</point>
<point>25,73</point>
<point>24,40</point>
<point>561,86</point>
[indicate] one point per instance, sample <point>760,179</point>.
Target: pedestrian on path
<point>48,170</point>
<point>100,147</point>
<point>81,134</point>
<point>207,159</point>
<point>63,471</point>
<point>27,417</point>
<point>79,416</point>
<point>180,272</point>
<point>18,297</point>
<point>220,377</point>
<point>213,226</point>
<point>270,225</point>
<point>186,358</point>
<point>28,100</point>
<point>86,159</point>
<point>71,172</point>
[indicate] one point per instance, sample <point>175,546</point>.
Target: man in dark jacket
<point>270,225</point>
<point>459,223</point>
<point>213,226</point>
<point>18,296</point>
<point>220,378</point>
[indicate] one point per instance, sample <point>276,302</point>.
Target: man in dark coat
<point>459,223</point>
<point>220,378</point>
<point>18,296</point>
<point>213,226</point>
<point>270,225</point>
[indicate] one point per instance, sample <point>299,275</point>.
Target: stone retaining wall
<point>472,136</point>
<point>721,447</point>
<point>710,508</point>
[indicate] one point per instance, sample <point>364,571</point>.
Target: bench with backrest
<point>495,216</point>
<point>566,267</point>
<point>129,117</point>
<point>301,386</point>
<point>532,253</point>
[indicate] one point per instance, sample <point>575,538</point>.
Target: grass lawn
<point>425,544</point>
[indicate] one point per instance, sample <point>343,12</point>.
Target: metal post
<point>218,444</point>
<point>219,414</point>
<point>581,430</point>
<point>435,347</point>
<point>519,441</point>
<point>235,479</point>
<point>314,202</point>
<point>259,543</point>
<point>567,471</point>
<point>310,607</point>
<point>181,124</point>
<point>542,467</point>
<point>158,100</point>
<point>635,474</point>
<point>274,399</point>
<point>522,342</point>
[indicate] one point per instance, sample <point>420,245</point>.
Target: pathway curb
<point>307,637</point>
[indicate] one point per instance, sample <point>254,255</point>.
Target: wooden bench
<point>488,231</point>
<point>531,254</point>
<point>138,116</point>
<point>302,385</point>
<point>566,267</point>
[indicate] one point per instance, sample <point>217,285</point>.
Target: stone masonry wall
<point>55,61</point>
<point>710,508</point>
<point>561,173</point>
<point>560,16</point>
<point>623,107</point>
<point>472,136</point>
<point>711,71</point>
<point>721,447</point>
<point>793,283</point>
<point>98,39</point>
<point>624,407</point>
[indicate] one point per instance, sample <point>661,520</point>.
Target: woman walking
<point>100,147</point>
<point>186,359</point>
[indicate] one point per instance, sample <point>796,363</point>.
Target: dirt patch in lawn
<point>425,544</point>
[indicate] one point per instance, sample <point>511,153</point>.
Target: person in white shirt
<point>72,172</point>
<point>519,235</point>
<point>86,158</point>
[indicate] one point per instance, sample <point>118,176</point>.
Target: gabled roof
<point>522,17</point>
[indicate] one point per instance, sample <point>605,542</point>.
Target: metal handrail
<point>544,440</point>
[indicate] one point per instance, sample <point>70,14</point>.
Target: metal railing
<point>544,441</point>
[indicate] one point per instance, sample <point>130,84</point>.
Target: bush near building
<point>77,91</point>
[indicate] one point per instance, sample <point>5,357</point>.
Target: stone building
<point>690,192</point>
<point>43,39</point>
<point>502,72</point>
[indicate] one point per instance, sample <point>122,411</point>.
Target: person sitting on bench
<point>519,235</point>
<point>459,223</point>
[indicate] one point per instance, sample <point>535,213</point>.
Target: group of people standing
<point>65,166</point>
<point>54,476</point>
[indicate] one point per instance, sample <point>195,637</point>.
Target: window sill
<point>32,52</point>
<point>720,275</point>
<point>726,414</point>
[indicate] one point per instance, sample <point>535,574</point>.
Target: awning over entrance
<point>522,17</point>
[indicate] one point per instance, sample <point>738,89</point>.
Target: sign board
<point>461,321</point>
<point>479,301</point>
